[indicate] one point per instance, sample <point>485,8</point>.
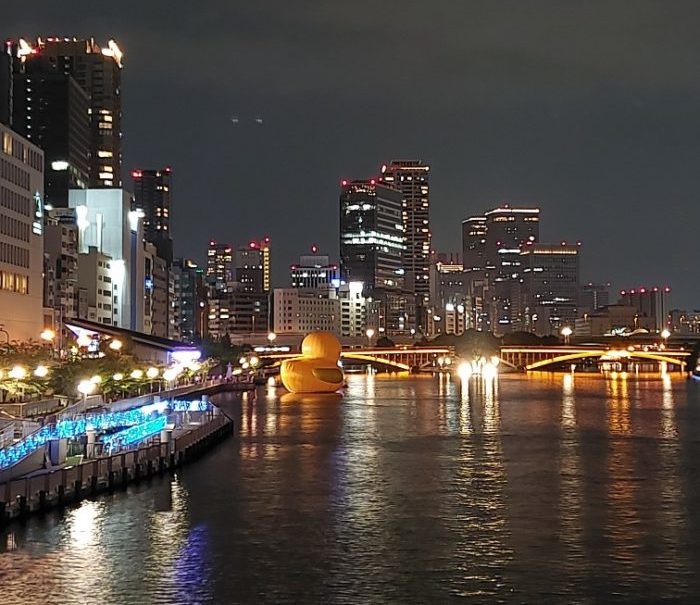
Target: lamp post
<point>370,334</point>
<point>566,332</point>
<point>665,334</point>
<point>271,336</point>
<point>85,388</point>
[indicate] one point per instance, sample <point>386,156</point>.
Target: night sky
<point>588,109</point>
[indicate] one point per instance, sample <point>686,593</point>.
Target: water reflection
<point>538,489</point>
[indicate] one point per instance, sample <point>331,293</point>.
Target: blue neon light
<point>71,429</point>
<point>134,434</point>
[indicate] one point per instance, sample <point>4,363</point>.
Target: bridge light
<point>464,370</point>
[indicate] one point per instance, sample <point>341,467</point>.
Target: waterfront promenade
<point>171,426</point>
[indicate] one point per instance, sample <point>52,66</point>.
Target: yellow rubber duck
<point>316,371</point>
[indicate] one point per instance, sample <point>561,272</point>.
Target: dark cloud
<point>586,108</point>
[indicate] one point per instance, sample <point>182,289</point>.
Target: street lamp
<point>665,333</point>
<point>271,337</point>
<point>566,332</point>
<point>48,335</point>
<point>85,388</point>
<point>370,334</point>
<point>17,373</point>
<point>115,345</point>
<point>41,371</point>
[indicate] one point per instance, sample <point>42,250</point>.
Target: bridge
<point>540,358</point>
<point>395,358</point>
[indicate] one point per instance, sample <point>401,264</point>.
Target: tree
<point>385,342</point>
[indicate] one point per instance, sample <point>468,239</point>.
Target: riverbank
<point>38,490</point>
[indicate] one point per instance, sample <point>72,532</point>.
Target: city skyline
<point>601,146</point>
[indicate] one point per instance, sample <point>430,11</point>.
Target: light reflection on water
<point>547,488</point>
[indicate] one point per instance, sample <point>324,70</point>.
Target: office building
<point>491,246</point>
<point>97,71</point>
<point>314,271</point>
<point>219,266</point>
<point>21,236</point>
<point>549,288</point>
<point>189,301</point>
<point>474,232</point>
<point>410,177</point>
<point>106,221</point>
<point>95,281</point>
<point>51,109</point>
<point>651,302</point>
<point>355,311</point>
<point>448,282</point>
<point>449,318</point>
<point>252,267</point>
<point>371,251</point>
<point>300,311</point>
<point>371,234</point>
<point>237,315</point>
<point>152,191</point>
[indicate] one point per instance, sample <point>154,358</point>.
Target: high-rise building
<point>371,251</point>
<point>97,70</point>
<point>21,236</point>
<point>474,232</point>
<point>508,230</point>
<point>152,191</point>
<point>219,265</point>
<point>253,266</point>
<point>410,177</point>
<point>106,221</point>
<point>51,109</point>
<point>189,302</point>
<point>5,86</point>
<point>314,271</point>
<point>371,234</point>
<point>549,287</point>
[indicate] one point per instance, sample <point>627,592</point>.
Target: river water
<point>545,488</point>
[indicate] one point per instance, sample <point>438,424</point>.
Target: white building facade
<point>105,220</point>
<point>298,311</point>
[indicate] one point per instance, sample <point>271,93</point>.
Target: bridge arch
<point>613,355</point>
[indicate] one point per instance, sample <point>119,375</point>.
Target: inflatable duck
<point>316,371</point>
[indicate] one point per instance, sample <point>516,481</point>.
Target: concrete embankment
<point>64,486</point>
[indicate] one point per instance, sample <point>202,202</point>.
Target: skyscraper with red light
<point>253,266</point>
<point>152,196</point>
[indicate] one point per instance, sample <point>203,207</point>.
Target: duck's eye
<point>330,375</point>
